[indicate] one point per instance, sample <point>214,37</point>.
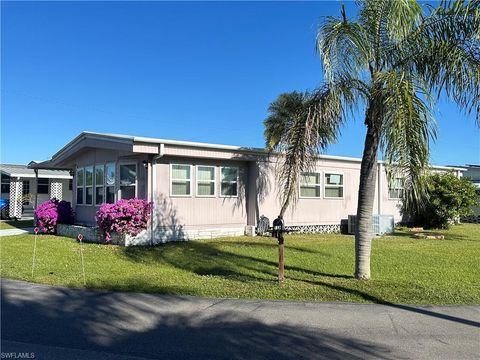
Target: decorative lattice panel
<point>15,209</point>
<point>311,229</point>
<point>56,190</point>
<point>474,219</point>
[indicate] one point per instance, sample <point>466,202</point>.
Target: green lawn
<point>318,267</point>
<point>15,224</point>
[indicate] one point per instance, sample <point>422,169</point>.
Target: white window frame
<point>118,180</point>
<point>5,176</point>
<point>237,182</point>
<point>95,185</point>
<point>115,194</point>
<point>325,185</point>
<point>214,181</point>
<point>300,184</point>
<point>82,169</point>
<point>392,188</point>
<point>172,179</point>
<point>85,186</point>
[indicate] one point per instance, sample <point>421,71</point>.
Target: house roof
<point>156,145</point>
<point>16,170</point>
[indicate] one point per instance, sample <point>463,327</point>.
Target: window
<point>99,184</point>
<point>206,181</point>
<point>110,183</point>
<point>229,181</point>
<point>333,185</point>
<point>42,186</point>
<point>128,181</point>
<point>180,177</point>
<point>310,185</point>
<point>26,196</point>
<point>80,182</point>
<point>89,185</point>
<point>70,184</point>
<point>395,188</point>
<point>5,184</point>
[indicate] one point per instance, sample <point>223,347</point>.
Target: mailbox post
<point>277,232</point>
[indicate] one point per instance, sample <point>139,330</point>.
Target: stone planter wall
<point>90,234</point>
<point>160,235</point>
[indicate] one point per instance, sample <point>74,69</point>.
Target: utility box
<point>381,224</point>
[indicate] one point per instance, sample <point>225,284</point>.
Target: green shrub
<point>448,199</point>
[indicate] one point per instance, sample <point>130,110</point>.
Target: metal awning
<point>24,171</point>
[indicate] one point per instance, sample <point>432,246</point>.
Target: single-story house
<point>473,172</point>
<point>27,187</point>
<point>204,190</point>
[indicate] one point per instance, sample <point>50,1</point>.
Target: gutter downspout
<point>153,185</point>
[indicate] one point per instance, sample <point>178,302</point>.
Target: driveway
<point>10,232</point>
<point>60,323</point>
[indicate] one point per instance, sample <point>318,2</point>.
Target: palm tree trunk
<point>285,205</point>
<point>366,196</point>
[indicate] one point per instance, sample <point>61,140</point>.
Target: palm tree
<point>288,131</point>
<point>394,60</point>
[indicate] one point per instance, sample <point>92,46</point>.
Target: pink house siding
<point>193,216</point>
<point>310,211</point>
<point>193,212</point>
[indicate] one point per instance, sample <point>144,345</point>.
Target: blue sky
<point>203,71</point>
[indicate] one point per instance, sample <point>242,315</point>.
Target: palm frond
<point>387,22</point>
<point>343,47</point>
<point>302,125</point>
<point>408,126</point>
<point>444,51</point>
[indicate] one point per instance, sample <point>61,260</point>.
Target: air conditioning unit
<point>381,224</point>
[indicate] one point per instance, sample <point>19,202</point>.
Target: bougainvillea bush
<point>52,212</point>
<point>65,212</point>
<point>123,217</point>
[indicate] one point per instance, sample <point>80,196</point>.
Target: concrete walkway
<point>60,323</point>
<point>10,232</point>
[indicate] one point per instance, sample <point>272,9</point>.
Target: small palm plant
<point>394,61</point>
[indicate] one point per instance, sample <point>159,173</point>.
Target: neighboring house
<point>204,190</point>
<point>473,172</point>
<point>25,189</point>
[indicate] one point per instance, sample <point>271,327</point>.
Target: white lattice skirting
<point>16,190</point>
<point>472,219</point>
<point>56,191</point>
<point>314,229</point>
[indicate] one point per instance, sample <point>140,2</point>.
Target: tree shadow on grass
<point>160,327</point>
<point>206,258</point>
<point>268,246</point>
<point>374,299</point>
<point>211,261</point>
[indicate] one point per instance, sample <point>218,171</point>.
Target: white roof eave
<point>157,141</point>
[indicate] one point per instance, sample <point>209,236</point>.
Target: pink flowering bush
<point>52,212</point>
<point>123,217</point>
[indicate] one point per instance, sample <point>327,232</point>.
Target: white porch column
<point>56,190</point>
<point>15,208</point>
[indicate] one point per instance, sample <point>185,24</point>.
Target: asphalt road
<point>57,323</point>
